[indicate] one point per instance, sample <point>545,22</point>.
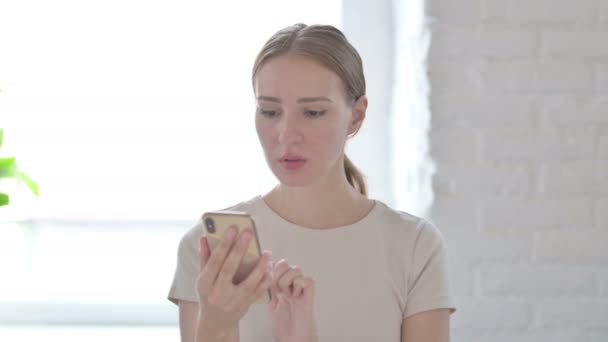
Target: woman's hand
<point>291,307</point>
<point>221,302</point>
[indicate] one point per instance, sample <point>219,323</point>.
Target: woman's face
<point>303,119</point>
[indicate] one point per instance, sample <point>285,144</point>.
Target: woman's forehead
<point>297,76</point>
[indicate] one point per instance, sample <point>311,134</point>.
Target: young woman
<point>344,267</point>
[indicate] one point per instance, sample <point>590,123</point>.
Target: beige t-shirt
<point>369,275</point>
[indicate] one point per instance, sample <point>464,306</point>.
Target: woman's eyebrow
<point>300,100</point>
<point>268,98</point>
<point>314,99</point>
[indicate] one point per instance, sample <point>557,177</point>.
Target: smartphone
<point>216,224</point>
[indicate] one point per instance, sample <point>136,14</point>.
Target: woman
<point>348,268</point>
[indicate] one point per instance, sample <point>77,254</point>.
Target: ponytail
<point>354,176</point>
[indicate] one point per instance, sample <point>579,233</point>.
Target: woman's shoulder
<point>402,224</point>
<point>245,205</point>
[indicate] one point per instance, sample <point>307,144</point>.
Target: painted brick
<point>569,43</point>
<point>567,76</point>
<point>538,213</point>
<point>454,76</point>
<point>567,111</point>
<point>521,336</point>
<point>602,283</point>
<point>602,77</point>
<point>475,248</point>
<point>533,281</point>
<point>509,76</point>
<point>526,76</point>
<point>603,13</point>
<point>484,315</point>
<point>471,41</point>
<point>582,314</point>
<point>579,177</point>
<point>484,178</point>
<point>578,247</point>
<point>455,214</point>
<point>603,146</point>
<point>539,11</point>
<point>461,275</point>
<point>461,11</point>
<point>598,336</point>
<point>529,144</point>
<point>602,213</point>
<point>484,110</point>
<point>459,145</point>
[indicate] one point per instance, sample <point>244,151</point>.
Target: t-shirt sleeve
<point>427,282</point>
<point>183,286</point>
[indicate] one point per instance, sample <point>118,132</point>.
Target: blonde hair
<point>327,45</point>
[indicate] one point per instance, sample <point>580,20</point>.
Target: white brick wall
<point>505,280</point>
<point>544,12</point>
<point>530,337</point>
<point>602,212</point>
<point>535,214</point>
<point>574,43</point>
<point>579,178</point>
<point>602,83</point>
<point>572,111</point>
<point>524,76</point>
<point>578,246</point>
<point>588,314</point>
<point>519,105</point>
<point>537,144</point>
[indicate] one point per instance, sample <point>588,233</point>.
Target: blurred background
<point>488,117</point>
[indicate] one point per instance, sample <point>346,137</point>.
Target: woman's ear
<point>358,115</point>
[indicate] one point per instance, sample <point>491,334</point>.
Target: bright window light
<point>133,117</point>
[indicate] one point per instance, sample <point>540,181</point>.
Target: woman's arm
<point>427,326</point>
<point>192,329</point>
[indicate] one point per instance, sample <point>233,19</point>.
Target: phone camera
<point>210,224</point>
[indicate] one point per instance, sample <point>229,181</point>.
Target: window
<point>134,117</point>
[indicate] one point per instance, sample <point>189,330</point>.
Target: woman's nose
<point>289,129</point>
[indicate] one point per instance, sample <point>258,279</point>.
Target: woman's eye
<point>269,113</point>
<point>314,113</point>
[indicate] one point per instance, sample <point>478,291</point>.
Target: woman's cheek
<point>264,134</point>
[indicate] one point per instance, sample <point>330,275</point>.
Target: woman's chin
<point>293,181</point>
<point>298,179</point>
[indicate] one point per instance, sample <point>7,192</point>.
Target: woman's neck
<point>321,206</point>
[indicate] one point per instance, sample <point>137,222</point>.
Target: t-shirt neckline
<point>362,222</point>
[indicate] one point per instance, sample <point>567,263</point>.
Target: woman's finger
<point>279,268</point>
<point>234,258</point>
<point>285,282</point>
<point>301,284</point>
<point>263,286</point>
<point>296,289</point>
<point>216,258</point>
<point>274,293</point>
<point>250,284</point>
<point>308,287</point>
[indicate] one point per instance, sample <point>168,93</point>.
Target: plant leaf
<point>8,167</point>
<point>3,199</point>
<point>29,182</point>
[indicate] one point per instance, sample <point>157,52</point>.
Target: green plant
<point>9,169</point>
